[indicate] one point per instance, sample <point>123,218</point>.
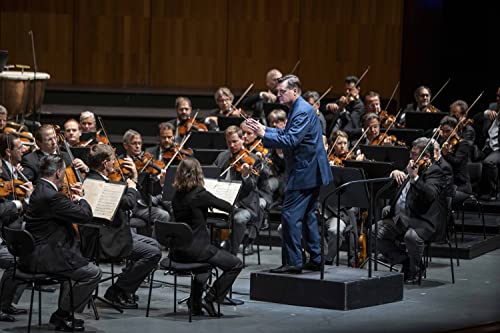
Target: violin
<point>190,123</point>
<point>259,147</point>
<point>120,172</point>
<point>422,165</point>
<point>146,163</point>
<point>181,153</point>
<point>339,160</point>
<point>431,109</point>
<point>9,187</point>
<point>385,139</point>
<point>450,145</point>
<point>26,137</point>
<point>101,138</point>
<point>237,161</point>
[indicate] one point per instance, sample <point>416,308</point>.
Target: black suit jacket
<point>8,212</point>
<point>31,164</point>
<point>426,205</point>
<point>49,219</point>
<point>115,237</point>
<point>458,161</point>
<point>192,208</point>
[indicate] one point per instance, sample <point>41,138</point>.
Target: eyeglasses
<point>424,95</point>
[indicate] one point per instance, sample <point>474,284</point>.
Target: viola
<point>9,187</point>
<point>177,151</point>
<point>188,124</point>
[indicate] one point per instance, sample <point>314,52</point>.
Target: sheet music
<point>227,191</point>
<point>104,198</point>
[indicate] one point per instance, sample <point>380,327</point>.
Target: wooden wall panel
<point>188,43</point>
<point>261,35</point>
<point>340,38</point>
<point>112,43</point>
<point>52,25</point>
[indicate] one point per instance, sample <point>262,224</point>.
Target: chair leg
<point>269,237</point>
<point>39,307</point>
<point>190,298</point>
<point>150,291</point>
<point>451,263</point>
<point>72,305</point>
<point>456,246</point>
<point>258,254</point>
<point>31,306</point>
<point>482,218</point>
<point>463,224</point>
<point>175,292</point>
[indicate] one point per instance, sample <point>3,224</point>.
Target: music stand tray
<point>423,120</point>
<point>398,156</point>
<point>407,135</point>
<point>225,122</point>
<point>372,169</point>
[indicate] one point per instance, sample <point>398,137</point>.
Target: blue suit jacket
<point>302,143</point>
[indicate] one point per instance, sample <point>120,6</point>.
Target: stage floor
<point>435,306</point>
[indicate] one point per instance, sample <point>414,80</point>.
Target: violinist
<point>422,103</point>
<point>10,210</point>
<point>458,110</point>
<point>72,132</point>
<point>184,123</point>
<point>312,97</point>
<point>3,117</point>
<point>371,125</point>
<point>247,216</point>
<point>132,142</point>
<point>224,99</point>
<point>11,153</point>
<point>491,149</point>
<point>46,139</point>
<point>455,151</point>
<point>256,102</point>
<point>417,211</point>
<point>167,147</point>
<point>88,125</point>
<point>348,109</point>
<point>116,239</point>
<point>338,152</point>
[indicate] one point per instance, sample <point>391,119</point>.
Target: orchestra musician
<point>190,204</point>
<point>348,109</point>
<point>3,117</point>
<point>10,210</point>
<point>88,122</point>
<point>307,169</point>
<point>371,125</point>
<point>422,97</point>
<point>116,240</point>
<point>312,97</point>
<point>49,219</point>
<point>224,99</point>
<point>458,109</point>
<point>72,132</point>
<point>46,139</point>
<point>455,150</point>
<point>166,148</point>
<point>184,123</point>
<point>132,142</point>
<point>417,210</point>
<point>247,215</point>
<point>491,149</point>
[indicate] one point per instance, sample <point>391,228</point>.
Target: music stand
<point>211,171</point>
<point>87,136</point>
<point>407,135</point>
<point>423,120</point>
<point>206,140</point>
<point>398,156</point>
<point>225,122</point>
<point>81,153</point>
<point>353,196</point>
<point>207,156</point>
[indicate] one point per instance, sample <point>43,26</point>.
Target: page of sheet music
<point>104,198</point>
<point>227,191</point>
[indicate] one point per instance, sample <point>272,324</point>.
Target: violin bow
<point>333,146</point>
<point>109,143</point>
<point>243,96</point>
<point>297,64</point>
<point>392,124</point>
<point>461,120</point>
<point>181,145</point>
<point>392,96</point>
<point>440,90</point>
<point>239,158</point>
<point>362,76</point>
<point>324,94</point>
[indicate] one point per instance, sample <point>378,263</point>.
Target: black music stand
<point>354,196</point>
<point>341,189</point>
<point>207,156</point>
<point>423,120</point>
<point>81,153</point>
<point>398,156</point>
<point>89,135</point>
<point>407,135</point>
<point>225,122</point>
<point>206,140</point>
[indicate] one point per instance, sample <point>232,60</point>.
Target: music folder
<point>223,189</point>
<point>104,198</point>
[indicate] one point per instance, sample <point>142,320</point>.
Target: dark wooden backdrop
<point>201,45</point>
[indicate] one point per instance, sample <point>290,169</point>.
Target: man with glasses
<point>307,169</point>
<point>422,103</point>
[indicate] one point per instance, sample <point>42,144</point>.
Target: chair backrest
<point>173,234</point>
<point>19,242</point>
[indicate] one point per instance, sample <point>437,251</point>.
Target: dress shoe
<point>119,299</point>
<point>196,309</point>
<point>312,266</point>
<point>264,226</point>
<point>12,310</point>
<point>66,323</point>
<point>287,269</point>
<point>7,318</point>
<point>209,307</point>
<point>248,250</point>
<point>329,262</point>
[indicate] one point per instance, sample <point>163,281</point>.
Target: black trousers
<point>231,267</point>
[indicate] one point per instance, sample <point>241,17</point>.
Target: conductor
<point>307,169</point>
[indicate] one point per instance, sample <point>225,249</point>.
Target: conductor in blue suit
<point>307,170</point>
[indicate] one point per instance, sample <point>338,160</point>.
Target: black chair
<point>177,235</point>
<point>441,237</point>
<point>475,171</point>
<point>20,244</point>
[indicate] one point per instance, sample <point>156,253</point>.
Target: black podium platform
<point>342,289</point>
